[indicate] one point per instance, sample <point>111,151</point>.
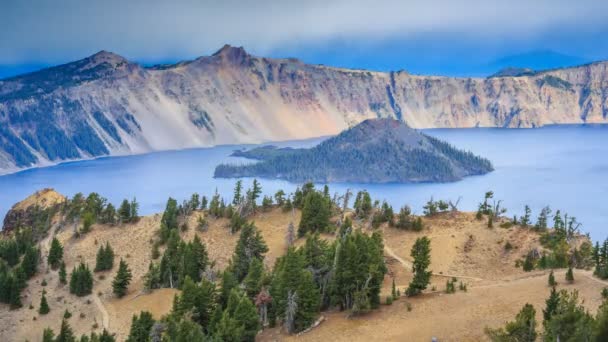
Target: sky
<point>429,37</point>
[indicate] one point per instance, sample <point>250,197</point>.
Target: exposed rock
<point>106,105</point>
<point>28,212</point>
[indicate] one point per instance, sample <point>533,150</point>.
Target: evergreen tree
<point>124,212</point>
<point>279,198</point>
<point>65,334</point>
<point>363,204</point>
<point>204,202</point>
<point>134,210</point>
<point>81,281</point>
<point>198,300</point>
<point>528,263</point>
<point>256,191</point>
<point>552,281</point>
<point>315,214</point>
<point>250,246</point>
<point>525,220</point>
<point>184,330</point>
<point>108,215</point>
<point>523,329</point>
<point>55,254</point>
<point>105,258</point>
<point>228,283</point>
<point>168,221</point>
<point>601,326</point>
<point>550,306</point>
<point>254,278</point>
<point>48,335</point>
<point>29,264</point>
<point>238,188</point>
<point>44,305</point>
<point>292,277</point>
<point>571,321</point>
<point>62,273</point>
<point>122,279</point>
<point>246,314</point>
<point>421,252</point>
<point>570,275</point>
<point>140,327</point>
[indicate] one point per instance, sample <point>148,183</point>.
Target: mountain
<point>107,105</point>
<point>374,151</point>
<point>538,60</point>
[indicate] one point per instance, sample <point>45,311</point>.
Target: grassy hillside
<point>491,286</point>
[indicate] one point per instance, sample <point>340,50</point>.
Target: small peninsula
<point>374,151</point>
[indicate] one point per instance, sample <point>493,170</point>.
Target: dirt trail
<point>105,318</point>
<point>409,265</point>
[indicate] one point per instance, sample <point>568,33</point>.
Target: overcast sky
<point>375,33</point>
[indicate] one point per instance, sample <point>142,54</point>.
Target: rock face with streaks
<point>106,105</point>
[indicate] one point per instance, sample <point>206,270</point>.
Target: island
<point>374,151</point>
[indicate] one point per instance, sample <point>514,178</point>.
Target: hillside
<point>107,105</point>
<point>461,246</point>
<point>384,150</point>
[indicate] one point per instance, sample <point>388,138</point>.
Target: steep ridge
<point>106,105</point>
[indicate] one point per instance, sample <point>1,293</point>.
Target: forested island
<point>374,151</point>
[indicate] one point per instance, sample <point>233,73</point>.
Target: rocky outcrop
<point>106,105</point>
<point>36,211</point>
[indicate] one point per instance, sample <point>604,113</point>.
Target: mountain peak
<point>232,54</point>
<point>104,56</point>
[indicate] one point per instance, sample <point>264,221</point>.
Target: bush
<point>389,300</point>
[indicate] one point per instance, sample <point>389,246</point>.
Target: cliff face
<point>106,105</point>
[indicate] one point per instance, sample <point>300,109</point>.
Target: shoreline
<point>49,164</point>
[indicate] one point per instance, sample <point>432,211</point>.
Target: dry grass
<point>461,246</point>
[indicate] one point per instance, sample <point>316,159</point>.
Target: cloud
<point>55,30</point>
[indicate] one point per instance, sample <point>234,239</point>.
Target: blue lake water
<point>565,167</point>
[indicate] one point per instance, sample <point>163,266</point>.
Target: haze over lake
<point>561,166</point>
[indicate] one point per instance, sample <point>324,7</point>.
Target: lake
<point>562,166</point>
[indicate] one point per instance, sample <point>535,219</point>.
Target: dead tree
<point>290,311</point>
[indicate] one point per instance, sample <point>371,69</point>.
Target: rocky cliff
<point>106,105</point>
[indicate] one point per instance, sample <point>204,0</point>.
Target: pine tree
<point>525,220</point>
<point>256,191</point>
<point>55,254</point>
<point>140,327</point>
<point>122,279</point>
<point>105,258</point>
<point>238,188</point>
<point>292,277</point>
<point>550,306</point>
<point>421,252</point>
<point>30,261</point>
<point>65,334</point>
<point>528,263</point>
<point>81,281</point>
<point>134,210</point>
<point>552,281</point>
<point>44,305</point>
<point>124,212</point>
<point>251,245</point>
<point>523,329</point>
<point>228,283</point>
<point>246,314</point>
<point>253,280</point>
<point>168,221</point>
<point>315,214</point>
<point>62,273</point>
<point>570,275</point>
<point>279,198</point>
<point>48,335</point>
